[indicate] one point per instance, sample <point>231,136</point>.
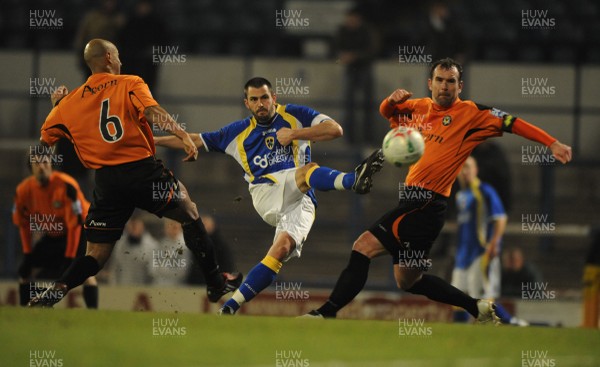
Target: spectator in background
<point>143,30</point>
<point>357,46</point>
<point>104,21</point>
<point>132,255</point>
<point>481,225</point>
<point>516,272</point>
<point>444,37</point>
<point>224,253</point>
<point>170,260</point>
<point>493,168</point>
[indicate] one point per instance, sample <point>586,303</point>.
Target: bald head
<point>102,56</point>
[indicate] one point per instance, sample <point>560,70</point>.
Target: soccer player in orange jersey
<point>452,128</point>
<point>49,210</point>
<point>108,121</point>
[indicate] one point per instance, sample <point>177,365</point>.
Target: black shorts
<point>48,255</point>
<point>145,184</point>
<point>409,230</point>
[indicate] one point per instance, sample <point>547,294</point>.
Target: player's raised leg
<point>360,181</point>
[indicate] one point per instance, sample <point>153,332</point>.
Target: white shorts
<point>285,207</point>
<point>475,283</point>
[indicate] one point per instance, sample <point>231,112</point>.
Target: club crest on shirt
<point>446,120</point>
<point>270,142</point>
<point>56,204</point>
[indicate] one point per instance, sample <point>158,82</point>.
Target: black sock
<point>81,269</point>
<point>24,293</point>
<point>90,296</point>
<point>349,284</point>
<point>198,241</point>
<point>438,290</point>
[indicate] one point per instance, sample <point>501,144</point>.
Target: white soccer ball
<point>403,146</point>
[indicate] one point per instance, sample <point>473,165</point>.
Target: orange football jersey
<point>450,136</point>
<point>57,209</point>
<point>104,119</point>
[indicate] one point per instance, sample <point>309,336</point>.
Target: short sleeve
<point>306,115</point>
<point>53,129</point>
<point>140,95</point>
<point>495,204</point>
<point>218,141</point>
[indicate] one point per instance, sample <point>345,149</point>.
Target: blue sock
<point>259,278</point>
<point>502,314</point>
<point>326,179</point>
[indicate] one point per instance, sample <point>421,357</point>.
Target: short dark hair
<point>446,63</point>
<point>257,82</point>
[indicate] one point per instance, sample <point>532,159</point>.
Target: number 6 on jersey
<point>111,128</point>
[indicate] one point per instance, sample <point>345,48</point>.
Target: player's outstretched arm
<point>326,130</point>
<point>560,151</point>
<point>175,143</point>
<point>157,113</point>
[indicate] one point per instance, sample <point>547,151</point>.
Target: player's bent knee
<point>301,176</point>
<point>367,245</point>
<point>280,253</point>
<point>100,251</point>
<point>191,210</point>
<point>407,282</point>
<point>302,171</point>
<point>308,166</point>
<point>282,247</point>
<point>404,284</point>
<point>185,213</point>
<point>91,281</point>
<point>361,246</point>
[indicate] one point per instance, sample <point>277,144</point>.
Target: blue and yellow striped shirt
<point>255,147</point>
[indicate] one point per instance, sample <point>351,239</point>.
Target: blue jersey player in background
<point>481,224</point>
<point>273,147</point>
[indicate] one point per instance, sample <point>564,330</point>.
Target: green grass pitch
<point>79,337</point>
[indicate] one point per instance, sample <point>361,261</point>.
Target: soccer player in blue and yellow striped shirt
<point>273,147</point>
